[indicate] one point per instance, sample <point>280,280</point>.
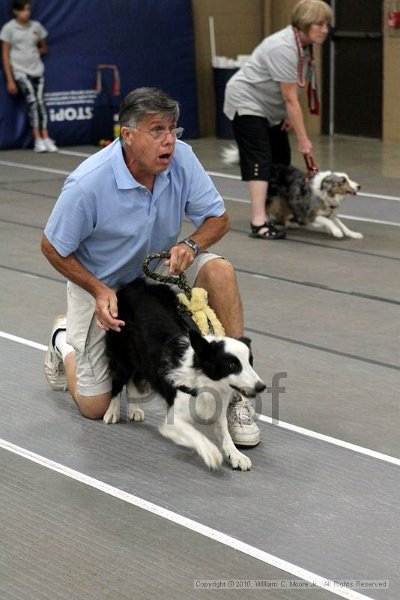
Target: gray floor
<point>323,312</point>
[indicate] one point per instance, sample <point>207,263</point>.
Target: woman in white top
<point>261,100</point>
<point>23,45</point>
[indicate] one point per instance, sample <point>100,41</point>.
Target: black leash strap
<point>179,280</point>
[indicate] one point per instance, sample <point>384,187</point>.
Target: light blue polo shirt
<point>111,222</point>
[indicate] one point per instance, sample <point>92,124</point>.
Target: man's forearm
<point>211,231</point>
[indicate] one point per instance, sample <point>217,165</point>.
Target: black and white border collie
<point>196,375</point>
<point>295,200</point>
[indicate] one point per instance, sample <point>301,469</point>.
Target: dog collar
<point>187,390</point>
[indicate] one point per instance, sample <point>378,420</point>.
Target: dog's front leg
<point>347,232</point>
<point>113,411</point>
<point>324,224</point>
<point>236,458</point>
<point>133,396</point>
<point>180,431</point>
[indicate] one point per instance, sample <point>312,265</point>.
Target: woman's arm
<point>295,116</point>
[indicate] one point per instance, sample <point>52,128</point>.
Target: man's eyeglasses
<point>159,133</point>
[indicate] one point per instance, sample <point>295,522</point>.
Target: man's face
<point>149,147</point>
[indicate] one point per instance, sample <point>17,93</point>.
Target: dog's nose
<point>260,387</point>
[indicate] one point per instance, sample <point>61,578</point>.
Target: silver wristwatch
<point>192,244</point>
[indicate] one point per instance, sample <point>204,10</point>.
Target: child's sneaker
<point>50,145</point>
<point>40,145</point>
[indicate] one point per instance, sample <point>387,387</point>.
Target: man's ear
<point>198,342</point>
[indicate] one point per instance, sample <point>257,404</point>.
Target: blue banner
<point>150,42</point>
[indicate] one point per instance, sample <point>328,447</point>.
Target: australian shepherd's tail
<point>230,155</point>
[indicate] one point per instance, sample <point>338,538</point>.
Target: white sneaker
<point>50,145</point>
<point>40,145</point>
<point>53,362</point>
<point>241,422</point>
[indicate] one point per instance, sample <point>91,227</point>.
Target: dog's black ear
<point>198,342</point>
<point>246,341</point>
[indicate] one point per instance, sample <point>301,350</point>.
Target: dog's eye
<point>234,366</point>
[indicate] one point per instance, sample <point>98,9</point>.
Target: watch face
<point>192,244</point>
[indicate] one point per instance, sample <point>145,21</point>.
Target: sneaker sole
<point>57,382</point>
<point>247,442</point>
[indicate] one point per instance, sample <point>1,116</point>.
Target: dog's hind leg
<point>112,413</point>
<point>184,434</point>
<point>236,458</point>
<point>135,394</point>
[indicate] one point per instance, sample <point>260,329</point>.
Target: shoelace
<point>242,410</point>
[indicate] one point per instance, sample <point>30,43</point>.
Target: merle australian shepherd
<point>295,200</point>
<point>196,375</point>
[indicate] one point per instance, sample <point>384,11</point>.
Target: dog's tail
<point>230,155</point>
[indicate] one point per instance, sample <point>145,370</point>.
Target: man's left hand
<point>182,256</point>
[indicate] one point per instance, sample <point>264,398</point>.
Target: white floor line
<point>7,163</point>
<point>23,341</point>
<point>213,534</point>
<point>307,432</point>
<point>211,173</point>
<point>362,194</point>
<point>331,440</point>
<point>380,196</point>
<point>350,217</point>
<point>73,153</point>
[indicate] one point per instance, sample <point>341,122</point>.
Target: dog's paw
<point>337,233</point>
<point>113,412</point>
<point>240,461</point>
<point>355,235</point>
<point>212,457</point>
<point>135,413</point>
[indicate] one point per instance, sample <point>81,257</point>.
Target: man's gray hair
<point>145,101</point>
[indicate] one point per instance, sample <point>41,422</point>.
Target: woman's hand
<point>305,146</point>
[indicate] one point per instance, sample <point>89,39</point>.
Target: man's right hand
<point>107,310</point>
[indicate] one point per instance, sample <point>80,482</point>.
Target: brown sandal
<point>270,233</point>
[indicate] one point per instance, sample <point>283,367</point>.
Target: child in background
<point>23,44</point>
